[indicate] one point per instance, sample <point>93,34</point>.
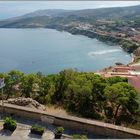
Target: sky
<point>16,8</point>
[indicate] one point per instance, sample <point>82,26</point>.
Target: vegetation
<point>76,136</point>
<point>121,99</point>
<point>9,124</point>
<point>84,94</point>
<point>60,17</point>
<point>108,38</point>
<point>36,129</point>
<point>107,23</point>
<point>58,132</point>
<point>129,46</point>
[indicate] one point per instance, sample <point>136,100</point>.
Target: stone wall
<point>96,127</point>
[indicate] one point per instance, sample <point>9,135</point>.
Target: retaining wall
<point>95,127</point>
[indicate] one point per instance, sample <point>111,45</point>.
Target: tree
<point>98,92</point>
<point>115,79</point>
<point>46,89</point>
<point>30,85</point>
<point>78,98</point>
<point>12,82</point>
<point>123,99</point>
<point>63,80</point>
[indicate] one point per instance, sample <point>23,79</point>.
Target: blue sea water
<point>50,51</point>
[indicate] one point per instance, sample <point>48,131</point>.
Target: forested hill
<point>44,17</point>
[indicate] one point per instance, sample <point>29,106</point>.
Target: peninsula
<point>120,25</point>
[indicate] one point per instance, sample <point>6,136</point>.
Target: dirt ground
<point>56,111</point>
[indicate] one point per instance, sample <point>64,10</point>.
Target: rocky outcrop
<point>137,52</point>
<point>26,102</point>
<point>136,55</point>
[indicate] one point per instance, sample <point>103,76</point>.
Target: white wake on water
<point>103,52</point>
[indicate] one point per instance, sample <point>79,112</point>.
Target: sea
<point>50,51</point>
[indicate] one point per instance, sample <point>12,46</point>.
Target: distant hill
<point>42,18</point>
<point>110,13</point>
<point>50,13</point>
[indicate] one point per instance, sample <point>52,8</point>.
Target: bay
<point>50,51</point>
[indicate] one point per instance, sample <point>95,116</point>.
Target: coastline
<point>86,33</point>
<point>108,39</point>
<point>109,42</point>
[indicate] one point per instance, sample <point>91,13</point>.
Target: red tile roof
<point>124,68</point>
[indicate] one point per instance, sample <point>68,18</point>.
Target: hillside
<point>57,16</point>
<point>120,25</point>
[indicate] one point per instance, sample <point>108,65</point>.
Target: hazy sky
<point>17,8</point>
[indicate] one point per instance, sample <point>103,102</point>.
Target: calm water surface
<point>50,51</point>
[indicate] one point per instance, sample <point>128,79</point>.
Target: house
<point>123,69</point>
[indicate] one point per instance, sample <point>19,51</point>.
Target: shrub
<point>9,124</point>
<point>36,129</point>
<point>77,136</point>
<point>59,130</point>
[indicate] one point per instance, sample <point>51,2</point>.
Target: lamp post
<point>2,84</point>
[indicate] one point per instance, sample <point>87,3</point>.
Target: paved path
<point>77,120</point>
<point>23,132</point>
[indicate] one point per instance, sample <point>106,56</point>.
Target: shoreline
<point>93,35</point>
<point>75,31</point>
<point>108,43</point>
